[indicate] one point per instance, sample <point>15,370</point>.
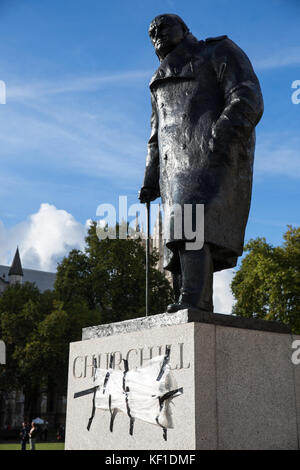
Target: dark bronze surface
<point>206,102</point>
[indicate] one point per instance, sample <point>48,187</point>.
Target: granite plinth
<point>181,317</point>
<point>241,389</point>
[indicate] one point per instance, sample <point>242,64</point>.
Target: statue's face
<point>165,33</point>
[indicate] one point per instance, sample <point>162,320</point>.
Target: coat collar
<point>183,62</point>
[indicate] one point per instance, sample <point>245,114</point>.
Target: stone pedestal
<point>241,389</point>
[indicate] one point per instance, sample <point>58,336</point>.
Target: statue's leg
<point>174,266</point>
<point>177,284</point>
<point>197,279</point>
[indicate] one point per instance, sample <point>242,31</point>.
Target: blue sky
<point>75,126</point>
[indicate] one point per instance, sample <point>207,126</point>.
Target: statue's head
<point>166,32</point>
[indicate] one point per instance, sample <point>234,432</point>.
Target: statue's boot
<point>177,284</point>
<point>197,280</point>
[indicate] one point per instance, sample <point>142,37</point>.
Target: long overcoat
<point>206,102</point>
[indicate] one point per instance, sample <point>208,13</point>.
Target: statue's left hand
<point>147,194</point>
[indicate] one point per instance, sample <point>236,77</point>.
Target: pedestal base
<point>241,389</point>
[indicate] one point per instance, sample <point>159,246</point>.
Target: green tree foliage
<point>267,284</point>
<point>110,277</point>
<point>22,309</point>
<point>37,330</point>
<point>105,283</point>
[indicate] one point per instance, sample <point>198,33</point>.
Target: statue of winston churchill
<point>206,102</point>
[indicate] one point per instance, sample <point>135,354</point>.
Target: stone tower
<point>15,274</point>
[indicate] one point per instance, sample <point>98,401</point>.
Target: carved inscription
<point>83,365</point>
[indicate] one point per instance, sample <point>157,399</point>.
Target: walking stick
<point>147,256</point>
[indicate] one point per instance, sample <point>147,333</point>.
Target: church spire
<point>16,268</point>
<point>137,225</point>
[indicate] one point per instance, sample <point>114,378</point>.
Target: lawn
<point>38,446</point>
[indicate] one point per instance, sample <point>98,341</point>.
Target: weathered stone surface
<point>137,348</point>
<point>205,404</point>
<point>241,390</point>
<point>181,317</point>
<point>255,390</point>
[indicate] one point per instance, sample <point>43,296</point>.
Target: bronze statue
<point>206,102</point>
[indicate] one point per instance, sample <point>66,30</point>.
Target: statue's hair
<point>174,17</point>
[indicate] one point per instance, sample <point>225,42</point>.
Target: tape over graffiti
<point>144,393</point>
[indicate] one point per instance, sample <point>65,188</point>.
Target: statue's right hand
<point>147,194</point>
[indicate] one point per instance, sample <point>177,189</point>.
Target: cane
<point>147,256</point>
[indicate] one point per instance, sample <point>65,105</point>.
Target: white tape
<point>144,392</point>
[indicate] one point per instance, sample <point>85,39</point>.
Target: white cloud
<point>275,158</point>
<point>279,58</point>
<point>223,298</point>
<point>67,135</point>
<point>49,234</point>
<point>32,91</point>
<point>43,239</point>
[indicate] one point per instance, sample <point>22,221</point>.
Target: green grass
<point>38,446</point>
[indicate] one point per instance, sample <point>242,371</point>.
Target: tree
<point>267,285</point>
<point>18,315</point>
<point>110,277</point>
<point>22,309</point>
<point>37,330</point>
<point>105,283</point>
